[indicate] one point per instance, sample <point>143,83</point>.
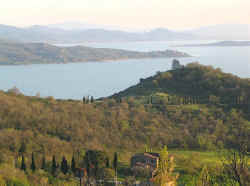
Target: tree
<point>23,165</point>
<point>164,172</point>
<point>64,165</point>
<point>22,148</point>
<point>96,167</point>
<point>73,165</point>
<point>14,90</point>
<point>33,164</point>
<point>43,163</point>
<point>92,99</point>
<point>54,165</point>
<point>107,162</point>
<point>87,163</point>
<point>204,178</point>
<point>94,160</point>
<point>235,164</point>
<point>176,65</point>
<point>115,161</point>
<point>107,173</point>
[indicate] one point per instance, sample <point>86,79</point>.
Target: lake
<point>100,79</point>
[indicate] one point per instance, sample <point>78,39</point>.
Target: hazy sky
<point>174,14</point>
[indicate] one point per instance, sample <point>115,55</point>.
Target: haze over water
<point>100,79</point>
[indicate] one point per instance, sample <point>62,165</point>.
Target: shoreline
<point>101,61</point>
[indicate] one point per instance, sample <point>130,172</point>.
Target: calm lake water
<point>73,81</point>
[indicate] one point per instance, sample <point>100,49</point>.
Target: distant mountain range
<point>220,44</point>
<point>73,33</point>
<point>223,32</point>
<point>58,35</point>
<point>12,53</point>
<point>86,26</point>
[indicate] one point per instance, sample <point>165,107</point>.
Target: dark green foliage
<point>43,163</point>
<point>33,163</point>
<point>54,166</point>
<point>176,64</point>
<point>115,161</point>
<point>94,160</point>
<point>23,165</point>
<point>92,99</point>
<point>64,166</point>
<point>73,165</point>
<point>107,163</point>
<point>236,164</point>
<point>22,148</point>
<point>87,164</point>
<point>194,80</point>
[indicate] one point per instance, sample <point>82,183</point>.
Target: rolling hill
<point>192,80</point>
<point>43,128</point>
<point>129,123</point>
<point>33,53</point>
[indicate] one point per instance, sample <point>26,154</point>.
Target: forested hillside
<point>129,123</point>
<point>192,80</point>
<point>64,127</point>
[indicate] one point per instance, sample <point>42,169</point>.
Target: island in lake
<point>220,44</point>
<point>13,53</point>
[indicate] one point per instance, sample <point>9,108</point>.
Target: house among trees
<point>146,160</point>
<point>176,65</point>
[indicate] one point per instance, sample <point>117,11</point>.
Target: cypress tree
<point>22,148</point>
<point>73,165</point>
<point>23,165</point>
<point>87,163</point>
<point>107,162</point>
<point>33,164</point>
<point>54,165</point>
<point>92,99</point>
<point>96,164</point>
<point>115,161</point>
<point>43,163</point>
<point>64,165</point>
